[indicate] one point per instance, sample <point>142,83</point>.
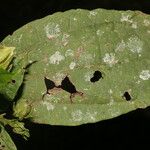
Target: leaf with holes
<point>90,66</point>
<point>5,140</point>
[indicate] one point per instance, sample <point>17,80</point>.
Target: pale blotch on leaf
<point>110,59</point>
<point>110,91</point>
<point>114,112</point>
<point>134,44</point>
<point>145,74</point>
<point>148,31</point>
<point>88,76</point>
<point>75,19</point>
<point>20,37</point>
<point>90,116</point>
<point>72,65</point>
<point>48,105</point>
<point>77,115</point>
<point>58,78</point>
<point>87,59</point>
<point>99,32</point>
<point>64,108</point>
<point>146,22</point>
<point>134,25</point>
<point>125,18</point>
<point>52,30</point>
<point>120,46</point>
<point>56,58</point>
<point>69,52</point>
<point>65,39</point>
<point>92,13</point>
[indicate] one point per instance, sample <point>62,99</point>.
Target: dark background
<point>130,131</point>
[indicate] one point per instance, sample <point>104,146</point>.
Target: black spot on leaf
<point>96,76</point>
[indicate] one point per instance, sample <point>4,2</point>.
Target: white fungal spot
<point>72,65</point>
<point>64,108</point>
<point>58,78</point>
<point>134,44</point>
<point>148,31</point>
<point>110,59</point>
<point>56,58</point>
<point>145,74</point>
<point>69,52</point>
<point>114,112</point>
<point>146,22</point>
<point>111,101</point>
<point>20,37</point>
<point>30,61</point>
<point>88,76</point>
<point>126,18</point>
<point>90,116</point>
<point>52,30</point>
<point>138,82</point>
<point>77,115</point>
<point>120,47</point>
<point>93,13</point>
<point>75,19</point>
<point>99,32</point>
<point>65,39</point>
<point>110,91</point>
<point>87,59</point>
<point>134,25</point>
<point>34,109</point>
<point>48,105</point>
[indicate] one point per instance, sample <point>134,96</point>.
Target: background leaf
<point>74,45</point>
<point>5,140</point>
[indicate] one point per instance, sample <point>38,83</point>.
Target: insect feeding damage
<point>66,85</point>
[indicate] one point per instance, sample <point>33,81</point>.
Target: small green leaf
<point>11,80</point>
<point>6,142</point>
<point>6,56</point>
<point>90,66</point>
<point>17,126</point>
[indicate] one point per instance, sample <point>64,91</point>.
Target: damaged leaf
<point>100,59</point>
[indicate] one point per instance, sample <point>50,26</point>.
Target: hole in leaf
<point>68,86</point>
<point>49,84</point>
<point>13,81</point>
<point>127,96</point>
<point>96,76</point>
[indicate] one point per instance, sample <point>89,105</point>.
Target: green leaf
<point>17,126</point>
<point>6,142</point>
<point>12,78</point>
<point>6,56</point>
<point>96,66</point>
